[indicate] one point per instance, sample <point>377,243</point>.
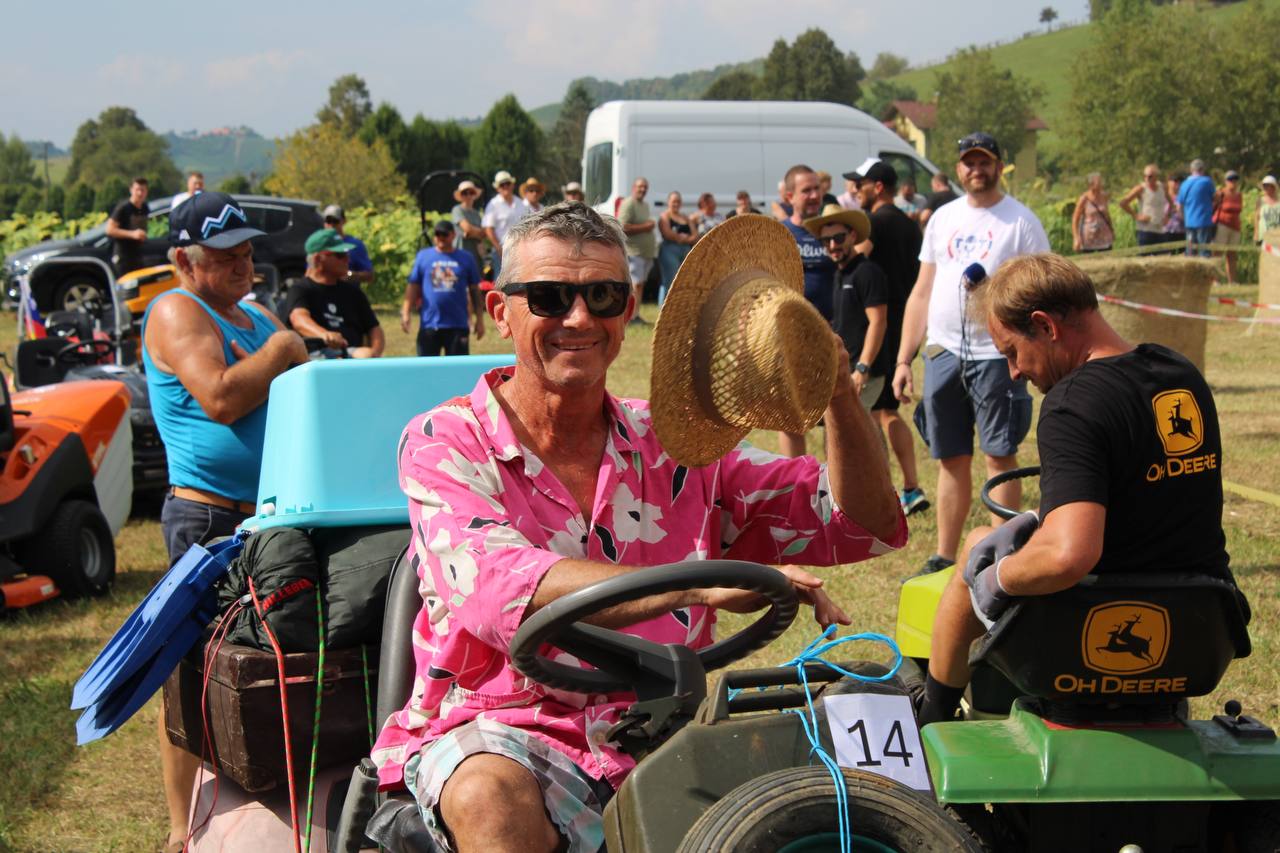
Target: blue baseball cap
<point>210,219</point>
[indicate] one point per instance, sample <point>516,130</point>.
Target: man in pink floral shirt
<point>541,483</point>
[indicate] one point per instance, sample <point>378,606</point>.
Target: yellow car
<point>137,289</point>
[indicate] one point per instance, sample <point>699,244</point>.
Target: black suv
<point>288,222</point>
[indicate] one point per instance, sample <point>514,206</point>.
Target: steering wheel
<point>91,351</point>
<point>999,480</point>
<point>624,661</point>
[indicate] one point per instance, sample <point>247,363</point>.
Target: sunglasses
<point>837,239</point>
<point>604,299</point>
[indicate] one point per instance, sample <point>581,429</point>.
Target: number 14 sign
<point>877,732</point>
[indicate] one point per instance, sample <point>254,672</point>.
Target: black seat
<point>1120,640</point>
<point>38,363</point>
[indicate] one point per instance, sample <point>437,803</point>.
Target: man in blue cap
<point>210,358</point>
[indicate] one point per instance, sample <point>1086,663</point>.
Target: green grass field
<point>107,796</point>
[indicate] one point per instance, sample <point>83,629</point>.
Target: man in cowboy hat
<point>467,220</point>
<point>572,191</point>
<point>502,211</point>
<point>541,483</point>
<point>532,191</point>
<point>860,315</point>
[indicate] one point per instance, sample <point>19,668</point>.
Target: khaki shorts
<point>1227,236</point>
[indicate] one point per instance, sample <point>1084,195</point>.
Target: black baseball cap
<point>210,219</point>
<point>979,141</point>
<point>879,171</point>
<point>443,226</point>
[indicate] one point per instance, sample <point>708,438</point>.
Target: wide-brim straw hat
<point>737,347</point>
<point>855,220</point>
<point>463,187</point>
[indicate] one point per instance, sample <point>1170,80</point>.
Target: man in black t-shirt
<point>861,291</point>
<point>128,227</point>
<point>324,305</point>
<point>895,247</point>
<point>1130,455</point>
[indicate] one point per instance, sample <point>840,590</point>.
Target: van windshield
<point>598,175</point>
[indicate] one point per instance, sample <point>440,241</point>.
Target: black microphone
<point>973,275</point>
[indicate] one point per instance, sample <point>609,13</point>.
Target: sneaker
<point>936,563</point>
<point>913,501</point>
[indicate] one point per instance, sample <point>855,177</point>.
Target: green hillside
<point>220,155</point>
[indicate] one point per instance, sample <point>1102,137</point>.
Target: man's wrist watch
<point>862,367</point>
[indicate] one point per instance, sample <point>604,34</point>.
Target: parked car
<point>287,223</point>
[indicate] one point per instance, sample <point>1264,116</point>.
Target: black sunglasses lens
<point>606,299</point>
<point>549,300</point>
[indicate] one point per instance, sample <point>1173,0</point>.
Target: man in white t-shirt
<point>966,380</point>
<point>503,210</point>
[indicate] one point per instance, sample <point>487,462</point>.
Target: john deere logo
<point>1125,637</point>
<point>1178,421</point>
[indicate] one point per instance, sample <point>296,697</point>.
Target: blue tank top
<point>203,454</point>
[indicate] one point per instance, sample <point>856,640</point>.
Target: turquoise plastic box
<point>329,459</point>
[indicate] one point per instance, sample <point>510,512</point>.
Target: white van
<point>722,147</point>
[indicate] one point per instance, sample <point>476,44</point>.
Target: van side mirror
<point>7,431</point>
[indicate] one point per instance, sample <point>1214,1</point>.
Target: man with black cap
<point>209,358</point>
<point>359,265</point>
<point>444,286</point>
<point>326,304</point>
<point>894,246</point>
<point>966,379</point>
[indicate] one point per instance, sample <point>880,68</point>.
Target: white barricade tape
<point>1174,312</point>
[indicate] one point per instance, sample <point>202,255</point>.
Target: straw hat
<point>737,346</point>
<point>463,187</point>
<point>856,220</point>
<point>532,184</point>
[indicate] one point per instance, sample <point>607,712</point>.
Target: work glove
<point>982,571</point>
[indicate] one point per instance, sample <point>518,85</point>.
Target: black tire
<point>1257,827</point>
<point>798,804</point>
<point>75,549</point>
<point>79,290</point>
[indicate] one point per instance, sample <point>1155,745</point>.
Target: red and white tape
<point>1244,303</point>
<point>1174,312</point>
<point>1271,250</point>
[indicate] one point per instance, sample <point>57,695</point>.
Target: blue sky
<point>269,64</point>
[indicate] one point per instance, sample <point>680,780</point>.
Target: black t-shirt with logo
<point>131,217</point>
<point>859,286</point>
<point>895,243</point>
<point>340,307</point>
<point>1138,433</point>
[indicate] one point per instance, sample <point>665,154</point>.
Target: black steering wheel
<point>624,661</point>
<point>91,351</point>
<point>999,480</point>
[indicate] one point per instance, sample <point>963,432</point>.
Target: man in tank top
<point>1153,208</point>
<point>209,359</point>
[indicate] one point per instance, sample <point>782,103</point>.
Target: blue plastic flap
<point>166,624</point>
<point>329,457</point>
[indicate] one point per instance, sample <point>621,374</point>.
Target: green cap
<point>326,240</point>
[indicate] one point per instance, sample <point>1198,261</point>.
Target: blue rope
<point>812,653</point>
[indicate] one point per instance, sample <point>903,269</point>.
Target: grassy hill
<point>220,155</point>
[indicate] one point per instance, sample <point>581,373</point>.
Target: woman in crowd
<point>467,219</point>
<point>1175,230</point>
<point>532,192</point>
<point>1228,203</point>
<point>1091,229</point>
<point>1153,206</point>
<point>706,218</point>
<point>1268,217</point>
<point>678,237</point>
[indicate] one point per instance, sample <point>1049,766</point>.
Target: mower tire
<point>1257,827</point>
<point>75,548</point>
<point>795,810</point>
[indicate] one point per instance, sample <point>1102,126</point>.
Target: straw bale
<point>1164,282</point>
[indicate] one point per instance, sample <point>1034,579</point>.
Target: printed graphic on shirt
<point>967,248</point>
<point>1178,421</point>
<point>444,274</point>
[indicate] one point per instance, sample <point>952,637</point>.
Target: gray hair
<point>1197,166</point>
<point>194,253</point>
<point>571,221</point>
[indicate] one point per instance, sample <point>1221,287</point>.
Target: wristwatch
<point>861,367</point>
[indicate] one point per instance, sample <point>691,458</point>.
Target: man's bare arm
<point>914,320</point>
<point>115,232</point>
<point>304,324</point>
<point>877,324</point>
<point>1067,547</point>
<point>184,340</point>
<point>377,341</point>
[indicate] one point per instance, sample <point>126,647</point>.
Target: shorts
<point>575,802</point>
<point>872,390</point>
<point>1151,238</point>
<point>982,395</point>
<point>444,341</point>
<point>639,268</point>
<point>887,402</point>
<point>1200,237</point>
<point>1227,235</point>
<point>186,523</point>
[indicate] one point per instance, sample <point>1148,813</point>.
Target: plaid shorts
<point>574,801</point>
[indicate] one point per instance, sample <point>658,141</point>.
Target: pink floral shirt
<point>489,520</point>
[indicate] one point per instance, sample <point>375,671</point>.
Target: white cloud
<point>240,70</point>
<point>131,72</point>
<point>619,37</point>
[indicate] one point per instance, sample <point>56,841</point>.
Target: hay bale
<point>1269,276</point>
<point>1181,283</point>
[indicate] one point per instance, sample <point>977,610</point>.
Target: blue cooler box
<point>329,459</point>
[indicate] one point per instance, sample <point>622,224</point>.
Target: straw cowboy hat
<point>532,184</point>
<point>737,346</point>
<point>832,214</point>
<point>463,187</point>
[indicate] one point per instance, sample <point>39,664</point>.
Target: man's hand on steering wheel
<point>807,585</point>
<point>982,571</point>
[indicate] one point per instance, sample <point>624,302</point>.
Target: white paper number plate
<point>877,732</point>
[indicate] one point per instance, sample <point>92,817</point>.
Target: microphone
<point>973,275</point>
